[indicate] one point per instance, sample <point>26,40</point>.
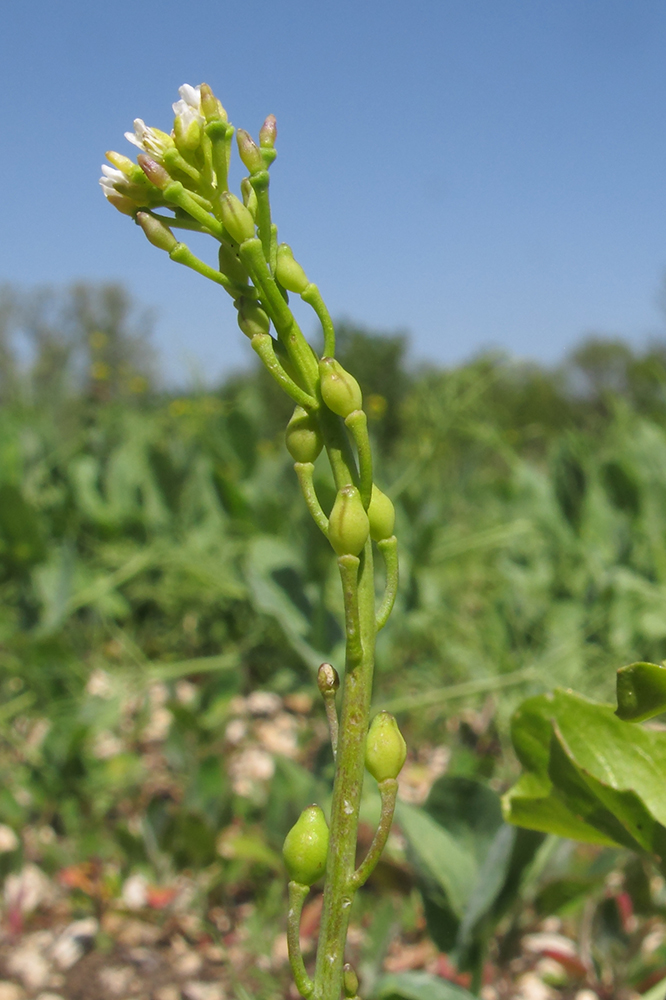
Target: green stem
<point>260,182</point>
<point>349,567</point>
<point>304,471</point>
<point>262,343</point>
<point>357,422</point>
<point>297,896</point>
<point>176,194</point>
<point>388,790</point>
<point>217,133</point>
<point>332,719</point>
<point>300,352</point>
<point>338,449</point>
<point>182,254</point>
<point>339,889</point>
<point>389,549</point>
<point>312,296</point>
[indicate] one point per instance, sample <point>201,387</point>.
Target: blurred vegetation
<point>158,567</point>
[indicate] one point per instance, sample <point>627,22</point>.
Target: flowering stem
<point>357,422</point>
<point>304,471</point>
<point>297,896</point>
<point>389,549</point>
<point>339,888</point>
<point>312,296</point>
<point>388,790</point>
<point>262,343</point>
<point>192,180</point>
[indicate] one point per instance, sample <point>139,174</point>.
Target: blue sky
<point>477,172</point>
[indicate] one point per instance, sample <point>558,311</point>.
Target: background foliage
<point>165,601</point>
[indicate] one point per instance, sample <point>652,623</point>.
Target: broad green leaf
<point>470,811</point>
<point>500,878</point>
<point>588,776</point>
<point>419,986</point>
<point>641,691</point>
<point>442,863</point>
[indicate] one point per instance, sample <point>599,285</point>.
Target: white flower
<point>189,120</point>
<point>108,181</point>
<point>190,101</point>
<point>149,140</point>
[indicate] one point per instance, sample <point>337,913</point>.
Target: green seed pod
<point>251,318</point>
<point>306,847</point>
<point>303,438</point>
<point>348,525</point>
<point>340,390</point>
<point>381,514</point>
<point>231,264</point>
<point>236,218</point>
<point>385,748</point>
<point>249,197</point>
<point>349,981</point>
<point>289,272</point>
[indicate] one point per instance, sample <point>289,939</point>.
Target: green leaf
<point>588,776</point>
<point>641,691</point>
<point>470,811</point>
<point>447,870</point>
<point>418,986</point>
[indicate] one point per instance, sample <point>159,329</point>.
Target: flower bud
<point>211,108</point>
<point>236,218</point>
<point>381,514</point>
<point>121,162</point>
<point>340,390</point>
<point>385,748</point>
<point>349,981</point>
<point>348,525</point>
<point>288,272</point>
<point>249,152</point>
<point>268,133</point>
<point>328,680</point>
<point>251,318</point>
<point>303,437</point>
<point>306,847</point>
<point>188,132</point>
<point>154,171</point>
<point>249,197</point>
<point>231,264</point>
<point>124,205</point>
<point>157,232</point>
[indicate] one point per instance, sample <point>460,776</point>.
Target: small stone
<point>166,993</point>
<point>73,941</point>
<point>134,892</point>
<point>8,839</point>
<point>188,964</point>
<point>28,889</point>
<point>215,953</point>
<point>144,957</point>
<point>203,991</point>
<point>28,961</point>
<point>10,991</point>
<point>530,987</point>
<point>263,703</point>
<point>135,932</point>
<point>116,979</point>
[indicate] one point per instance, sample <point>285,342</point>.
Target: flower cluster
<point>186,173</point>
